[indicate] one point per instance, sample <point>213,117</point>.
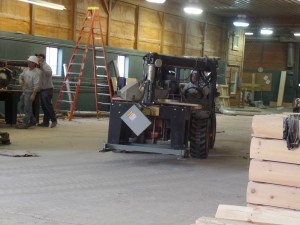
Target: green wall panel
<point>19,46</point>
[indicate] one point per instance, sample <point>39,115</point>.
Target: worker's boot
<point>43,124</point>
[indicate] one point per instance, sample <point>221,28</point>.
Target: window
<point>53,58</point>
<point>122,65</point>
<point>233,81</point>
<point>235,41</point>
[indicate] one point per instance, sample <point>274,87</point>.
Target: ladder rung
<point>102,85</point>
<point>98,47</point>
<point>101,75</point>
<point>104,103</point>
<point>103,94</point>
<point>70,82</point>
<point>97,38</point>
<point>99,57</point>
<point>79,64</point>
<point>65,101</point>
<point>101,66</point>
<point>69,92</point>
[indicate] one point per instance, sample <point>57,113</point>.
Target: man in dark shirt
<point>46,93</point>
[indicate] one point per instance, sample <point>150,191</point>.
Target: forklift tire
<point>199,138</point>
<point>212,130</point>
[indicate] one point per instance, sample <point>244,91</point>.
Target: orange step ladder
<point>91,35</point>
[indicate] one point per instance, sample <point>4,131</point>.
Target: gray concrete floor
<point>72,183</point>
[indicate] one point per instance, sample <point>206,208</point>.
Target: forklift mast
<point>161,65</point>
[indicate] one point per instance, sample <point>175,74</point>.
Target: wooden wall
<point>14,17</point>
<point>137,25</point>
<point>269,55</point>
<point>129,27</point>
<point>272,57</point>
<point>129,24</point>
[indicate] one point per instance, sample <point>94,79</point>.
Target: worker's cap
<point>33,59</point>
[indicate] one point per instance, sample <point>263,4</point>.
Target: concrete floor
<point>72,183</point>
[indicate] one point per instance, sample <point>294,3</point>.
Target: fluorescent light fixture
<point>266,31</point>
<point>297,34</point>
<point>240,24</point>
<point>249,33</point>
<point>156,1</point>
<point>241,21</point>
<point>192,10</point>
<point>44,4</point>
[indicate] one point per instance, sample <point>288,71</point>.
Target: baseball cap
<point>33,59</point>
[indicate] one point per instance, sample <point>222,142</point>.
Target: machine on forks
<point>166,120</point>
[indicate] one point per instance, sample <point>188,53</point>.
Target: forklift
<point>165,120</point>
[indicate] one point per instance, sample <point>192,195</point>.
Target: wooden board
<point>273,195</point>
<point>268,126</point>
<point>281,88</point>
<point>214,221</point>
<point>274,173</point>
<point>273,150</point>
<point>259,214</point>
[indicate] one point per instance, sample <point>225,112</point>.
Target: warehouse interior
<point>128,150</point>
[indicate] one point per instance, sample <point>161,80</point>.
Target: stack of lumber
<point>273,193</point>
<point>274,172</point>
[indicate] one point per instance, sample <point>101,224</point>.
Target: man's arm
<point>46,69</point>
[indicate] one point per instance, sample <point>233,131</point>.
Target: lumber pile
<point>273,192</point>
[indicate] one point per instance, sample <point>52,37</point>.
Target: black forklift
<point>167,120</point>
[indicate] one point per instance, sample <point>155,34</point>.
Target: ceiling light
<point>44,4</point>
<point>266,31</point>
<point>241,21</point>
<point>240,24</point>
<point>192,10</point>
<point>297,34</point>
<point>248,33</point>
<point>156,1</point>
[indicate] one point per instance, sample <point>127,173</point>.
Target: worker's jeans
<point>46,103</point>
<point>26,107</point>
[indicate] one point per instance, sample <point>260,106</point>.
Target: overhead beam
<point>32,19</point>
<point>110,6</point>
<point>74,20</point>
<point>137,28</point>
<point>162,22</point>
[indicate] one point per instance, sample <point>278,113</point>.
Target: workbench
<point>11,99</point>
